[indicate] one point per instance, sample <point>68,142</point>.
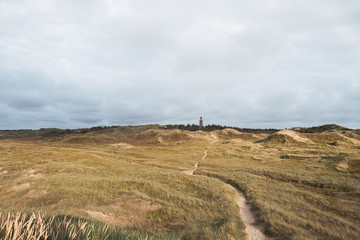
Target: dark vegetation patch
<point>56,132</point>
<point>213,127</point>
<point>320,129</point>
<point>333,143</point>
<point>296,157</point>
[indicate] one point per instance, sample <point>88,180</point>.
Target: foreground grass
<point>23,227</point>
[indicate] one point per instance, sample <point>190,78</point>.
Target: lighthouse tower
<point>201,123</point>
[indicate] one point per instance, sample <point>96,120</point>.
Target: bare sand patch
<point>161,140</point>
<point>101,216</point>
<point>350,139</point>
<point>214,136</point>
<point>22,186</point>
<point>230,131</point>
<point>294,135</point>
<point>32,173</point>
<point>189,172</point>
<point>350,163</point>
<point>122,145</point>
<point>3,171</point>
<point>343,165</point>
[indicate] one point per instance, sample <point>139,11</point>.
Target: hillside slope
<point>301,185</point>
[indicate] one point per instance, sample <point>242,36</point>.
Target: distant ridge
<point>55,132</point>
<point>319,129</point>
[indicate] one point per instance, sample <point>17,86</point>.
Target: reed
<point>20,226</point>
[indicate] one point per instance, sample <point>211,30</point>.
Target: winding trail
<point>254,232</point>
<point>196,166</point>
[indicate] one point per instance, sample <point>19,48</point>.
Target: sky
<point>251,64</point>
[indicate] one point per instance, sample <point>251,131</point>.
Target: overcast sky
<point>258,64</point>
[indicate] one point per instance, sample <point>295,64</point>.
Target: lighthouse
<point>201,123</point>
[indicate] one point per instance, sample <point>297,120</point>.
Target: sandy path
<point>196,166</point>
<point>253,231</point>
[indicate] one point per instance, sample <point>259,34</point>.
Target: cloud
<point>250,64</point>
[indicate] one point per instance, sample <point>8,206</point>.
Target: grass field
<point>300,185</point>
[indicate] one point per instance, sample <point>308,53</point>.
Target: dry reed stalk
<point>36,227</point>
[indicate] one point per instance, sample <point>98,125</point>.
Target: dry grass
<point>296,189</point>
<point>35,227</point>
<point>300,185</point>
<point>142,187</point>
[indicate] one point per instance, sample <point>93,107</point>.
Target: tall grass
<point>20,226</point>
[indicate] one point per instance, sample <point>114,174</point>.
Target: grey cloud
<point>250,64</point>
<point>27,104</point>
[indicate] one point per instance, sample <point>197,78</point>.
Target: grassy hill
<point>301,184</point>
